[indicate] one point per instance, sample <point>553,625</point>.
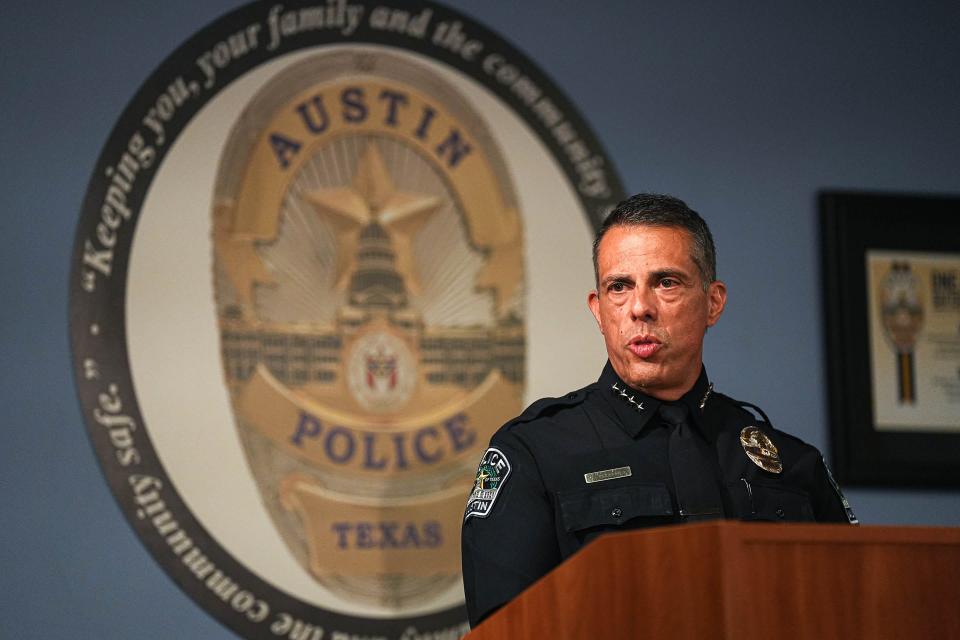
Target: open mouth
<point>644,347</point>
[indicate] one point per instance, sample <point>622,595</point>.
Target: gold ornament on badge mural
<point>369,279</point>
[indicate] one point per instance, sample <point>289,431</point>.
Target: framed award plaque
<point>891,273</point>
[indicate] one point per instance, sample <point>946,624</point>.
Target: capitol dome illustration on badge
<point>368,269</point>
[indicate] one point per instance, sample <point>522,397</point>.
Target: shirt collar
<point>635,408</point>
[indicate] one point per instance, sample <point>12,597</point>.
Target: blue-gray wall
<point>744,111</point>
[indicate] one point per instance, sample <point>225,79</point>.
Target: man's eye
<point>668,283</point>
<point>617,287</point>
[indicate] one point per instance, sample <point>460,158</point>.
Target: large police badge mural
<point>370,298</point>
<point>317,267</point>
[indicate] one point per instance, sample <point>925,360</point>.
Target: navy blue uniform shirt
<point>606,458</point>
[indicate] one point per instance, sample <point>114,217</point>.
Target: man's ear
<point>716,301</point>
<point>593,301</point>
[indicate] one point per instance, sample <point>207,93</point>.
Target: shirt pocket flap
<point>604,506</point>
<point>776,503</point>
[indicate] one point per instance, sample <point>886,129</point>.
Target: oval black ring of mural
<point>129,161</point>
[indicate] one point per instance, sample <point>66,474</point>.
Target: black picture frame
<point>851,224</point>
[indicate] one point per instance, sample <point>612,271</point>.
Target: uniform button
<point>617,512</point>
<point>780,513</point>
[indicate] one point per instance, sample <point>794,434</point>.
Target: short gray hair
<point>655,210</point>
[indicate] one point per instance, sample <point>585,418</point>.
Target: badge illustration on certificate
<point>914,321</point>
<point>902,312</point>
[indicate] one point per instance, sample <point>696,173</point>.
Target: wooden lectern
<point>737,580</point>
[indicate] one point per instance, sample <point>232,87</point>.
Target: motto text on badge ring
<point>352,301</point>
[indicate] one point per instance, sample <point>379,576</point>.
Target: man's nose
<point>643,305</point>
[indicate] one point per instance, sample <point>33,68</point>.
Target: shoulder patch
<point>492,474</point>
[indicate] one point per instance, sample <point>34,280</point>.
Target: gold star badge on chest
<point>760,449</point>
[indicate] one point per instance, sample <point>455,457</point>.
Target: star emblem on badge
<point>372,198</point>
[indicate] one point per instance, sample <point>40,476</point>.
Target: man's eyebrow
<point>669,273</point>
<point>616,277</point>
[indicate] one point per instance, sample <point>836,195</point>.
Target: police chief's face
<point>652,308</point>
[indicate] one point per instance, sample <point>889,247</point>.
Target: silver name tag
<point>607,474</point>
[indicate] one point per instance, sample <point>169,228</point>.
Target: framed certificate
<point>891,274</point>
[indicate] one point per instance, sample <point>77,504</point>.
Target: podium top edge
<point>756,532</point>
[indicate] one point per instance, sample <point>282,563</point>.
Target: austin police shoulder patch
<point>492,474</point>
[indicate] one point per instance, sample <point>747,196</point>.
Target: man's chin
<point>649,378</point>
<point>642,378</point>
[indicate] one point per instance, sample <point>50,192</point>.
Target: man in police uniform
<point>650,443</point>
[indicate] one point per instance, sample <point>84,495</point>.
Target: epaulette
<point>745,405</point>
<point>549,406</point>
